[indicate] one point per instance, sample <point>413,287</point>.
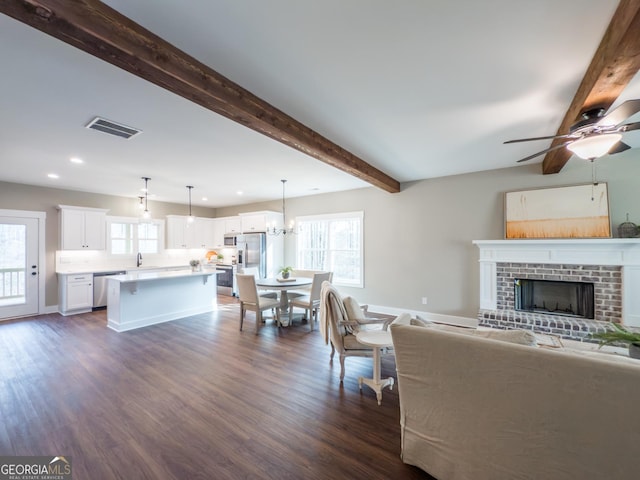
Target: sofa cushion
<point>522,337</point>
<point>519,336</point>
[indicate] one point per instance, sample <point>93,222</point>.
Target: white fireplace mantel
<point>606,251</point>
<point>624,252</point>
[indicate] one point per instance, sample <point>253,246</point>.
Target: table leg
<point>284,308</point>
<point>375,383</point>
<point>376,366</point>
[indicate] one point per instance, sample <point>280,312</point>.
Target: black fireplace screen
<point>573,299</point>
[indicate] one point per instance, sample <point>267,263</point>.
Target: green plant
<point>617,335</point>
<point>220,256</point>
<point>194,263</point>
<point>286,270</point>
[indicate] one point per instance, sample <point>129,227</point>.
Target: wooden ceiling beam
<point>614,64</point>
<point>98,29</point>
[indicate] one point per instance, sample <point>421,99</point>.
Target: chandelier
<point>273,230</point>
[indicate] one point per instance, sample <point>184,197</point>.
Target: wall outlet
<point>424,300</point>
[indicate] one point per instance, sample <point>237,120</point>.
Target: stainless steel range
<point>226,279</point>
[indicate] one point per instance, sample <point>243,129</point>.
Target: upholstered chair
<point>250,300</point>
<point>339,327</point>
<point>254,271</point>
<point>310,302</point>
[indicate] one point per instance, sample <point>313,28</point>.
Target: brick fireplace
<point>612,266</point>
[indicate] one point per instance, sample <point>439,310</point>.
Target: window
<point>332,243</point>
<point>127,237</point>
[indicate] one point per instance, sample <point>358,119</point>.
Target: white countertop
<point>144,268</point>
<point>147,276</point>
<point>89,269</point>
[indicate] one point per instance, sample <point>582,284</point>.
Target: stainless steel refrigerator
<point>254,251</point>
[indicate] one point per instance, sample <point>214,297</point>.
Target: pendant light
<point>146,214</point>
<point>190,218</point>
<point>141,203</point>
<point>284,229</point>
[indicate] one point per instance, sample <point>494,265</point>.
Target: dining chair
<point>254,271</point>
<point>250,300</point>
<point>311,302</point>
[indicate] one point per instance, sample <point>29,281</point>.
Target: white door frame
<point>42,266</point>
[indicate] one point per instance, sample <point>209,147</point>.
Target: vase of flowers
<point>195,265</point>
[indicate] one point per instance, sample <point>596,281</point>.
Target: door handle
<point>34,273</point>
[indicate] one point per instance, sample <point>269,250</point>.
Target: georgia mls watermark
<point>35,468</point>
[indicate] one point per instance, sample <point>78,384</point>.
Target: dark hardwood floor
<point>193,399</point>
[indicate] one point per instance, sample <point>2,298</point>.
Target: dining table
<point>282,285</point>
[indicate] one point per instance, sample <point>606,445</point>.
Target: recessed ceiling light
<point>239,192</point>
<point>76,160</point>
<point>53,175</point>
<point>204,199</point>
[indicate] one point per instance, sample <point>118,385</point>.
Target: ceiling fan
<point>595,135</point>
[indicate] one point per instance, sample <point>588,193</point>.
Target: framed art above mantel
<point>576,211</point>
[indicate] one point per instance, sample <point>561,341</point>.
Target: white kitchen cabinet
<point>184,234</point>
<point>75,293</point>
<point>218,233</point>
<point>260,221</point>
<point>206,233</point>
<point>82,228</point>
<point>180,232</point>
<point>232,225</point>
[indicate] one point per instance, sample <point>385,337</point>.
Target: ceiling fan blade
<point>544,151</point>
<point>629,127</point>
<point>619,147</point>
<point>620,113</point>
<point>550,137</point>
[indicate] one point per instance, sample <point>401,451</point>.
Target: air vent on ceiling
<point>113,128</point>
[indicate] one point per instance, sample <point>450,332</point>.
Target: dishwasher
<point>100,285</point>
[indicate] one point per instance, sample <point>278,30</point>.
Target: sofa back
<point>475,408</point>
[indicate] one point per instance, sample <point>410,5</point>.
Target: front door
<point>18,266</point>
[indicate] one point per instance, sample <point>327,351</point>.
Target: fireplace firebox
<point>572,299</point>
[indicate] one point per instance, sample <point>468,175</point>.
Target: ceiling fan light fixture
<point>594,146</point>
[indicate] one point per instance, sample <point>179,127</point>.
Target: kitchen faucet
<point>139,260</point>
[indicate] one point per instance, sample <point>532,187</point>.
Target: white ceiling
<point>418,89</point>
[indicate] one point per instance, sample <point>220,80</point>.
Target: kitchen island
<point>146,298</point>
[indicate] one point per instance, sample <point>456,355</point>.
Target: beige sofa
<point>480,409</point>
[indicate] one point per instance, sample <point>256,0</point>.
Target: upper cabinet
<point>232,225</point>
<point>218,232</point>
<point>205,236</point>
<point>259,221</point>
<point>181,233</point>
<point>82,228</point>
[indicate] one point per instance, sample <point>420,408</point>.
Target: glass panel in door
<point>18,267</point>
